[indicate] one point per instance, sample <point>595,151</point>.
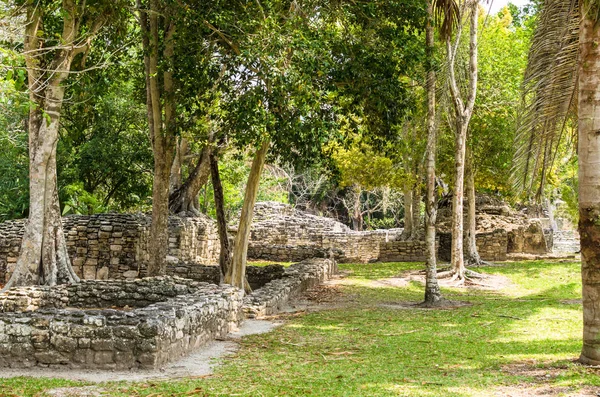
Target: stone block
<point>104,357</point>
<point>130,274</point>
<point>102,344</point>
<point>89,272</point>
<point>63,343</point>
<point>50,357</point>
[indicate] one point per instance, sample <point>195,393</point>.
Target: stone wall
<point>164,319</point>
<point>530,239</point>
<point>492,246</point>
<point>282,233</point>
<point>296,279</point>
<point>144,323</point>
<point>115,246</point>
<point>257,276</point>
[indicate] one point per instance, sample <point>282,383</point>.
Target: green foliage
<point>503,49</point>
<point>563,184</point>
<point>104,149</point>
<point>503,53</point>
<point>80,201</point>
<point>361,166</point>
<point>14,106</point>
<point>234,170</point>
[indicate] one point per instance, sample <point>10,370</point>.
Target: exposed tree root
<point>437,303</point>
<point>476,262</point>
<point>467,277</point>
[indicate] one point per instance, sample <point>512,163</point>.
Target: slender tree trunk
<point>463,113</point>
<point>589,186</point>
<point>416,212</point>
<point>433,295</point>
<point>225,253</point>
<point>43,258</point>
<point>408,213</point>
<point>185,199</point>
<point>457,259</point>
<point>357,218</point>
<point>472,257</point>
<point>181,149</point>
<point>161,118</point>
<point>236,275</point>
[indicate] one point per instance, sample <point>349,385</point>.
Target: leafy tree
<point>463,104</point>
<point>104,157</point>
<point>13,139</point>
<point>362,169</point>
<point>433,294</point>
<point>56,35</point>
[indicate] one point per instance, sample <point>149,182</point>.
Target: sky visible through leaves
<point>497,5</point>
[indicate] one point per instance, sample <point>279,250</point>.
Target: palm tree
<point>562,81</point>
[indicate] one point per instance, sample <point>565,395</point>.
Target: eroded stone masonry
<point>113,324</point>
<point>114,246</point>
<point>282,233</point>
<point>144,323</point>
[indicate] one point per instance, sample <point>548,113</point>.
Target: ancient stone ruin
<point>282,233</point>
<point>144,323</point>
<point>128,322</point>
<point>114,246</point>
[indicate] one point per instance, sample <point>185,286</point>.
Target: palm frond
<point>548,93</point>
<point>446,16</point>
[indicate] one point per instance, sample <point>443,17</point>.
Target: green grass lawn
<point>523,337</point>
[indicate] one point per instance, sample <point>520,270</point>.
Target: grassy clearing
<point>523,337</point>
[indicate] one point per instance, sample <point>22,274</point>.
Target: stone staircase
<point>566,241</point>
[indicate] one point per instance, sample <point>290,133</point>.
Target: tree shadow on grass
<point>445,349</point>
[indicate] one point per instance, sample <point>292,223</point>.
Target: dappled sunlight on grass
<point>548,323</point>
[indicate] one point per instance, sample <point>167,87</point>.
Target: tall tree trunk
<point>161,120</point>
<point>457,259</point>
<point>463,112</point>
<point>181,149</point>
<point>43,258</point>
<point>185,199</point>
<point>236,275</point>
<point>416,212</point>
<point>357,218</point>
<point>472,257</point>
<point>433,294</point>
<point>408,213</point>
<point>225,253</point>
<point>589,186</point>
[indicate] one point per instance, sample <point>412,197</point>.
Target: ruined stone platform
<point>137,324</point>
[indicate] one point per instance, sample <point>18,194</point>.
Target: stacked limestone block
<point>257,276</point>
<point>402,251</point>
<point>297,278</point>
<point>282,233</point>
<point>99,324</point>
<point>115,246</point>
